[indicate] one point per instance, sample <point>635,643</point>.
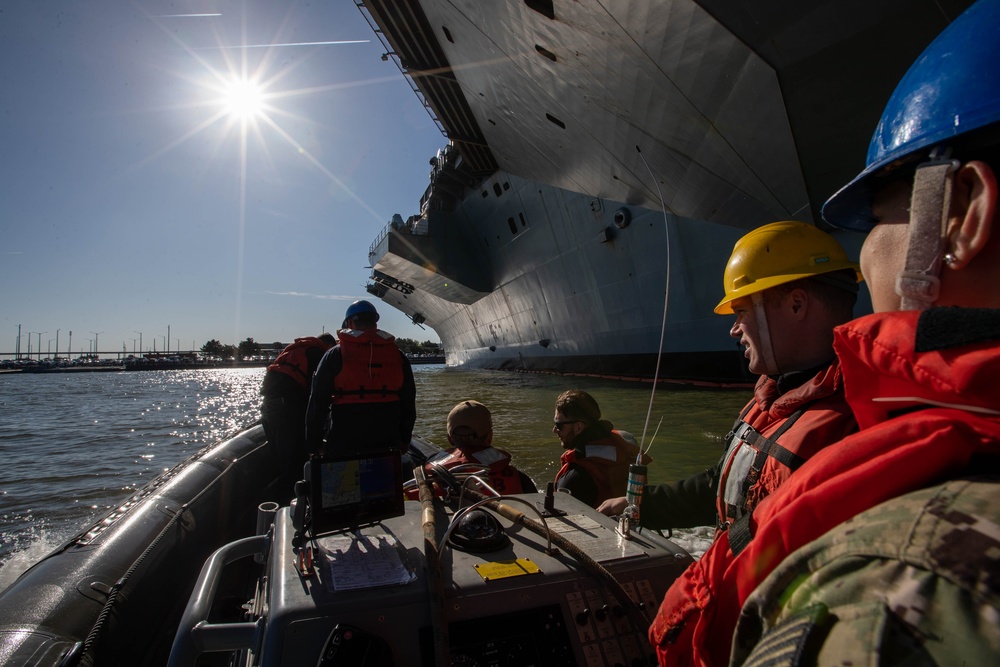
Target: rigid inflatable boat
<point>202,566</point>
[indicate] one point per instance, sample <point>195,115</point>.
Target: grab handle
<point>195,635</point>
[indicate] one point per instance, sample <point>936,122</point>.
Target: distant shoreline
<point>169,366</point>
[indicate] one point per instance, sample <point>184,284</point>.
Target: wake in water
<point>75,446</point>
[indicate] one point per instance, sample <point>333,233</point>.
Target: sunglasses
<point>558,425</point>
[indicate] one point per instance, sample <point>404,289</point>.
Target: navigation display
<point>352,490</point>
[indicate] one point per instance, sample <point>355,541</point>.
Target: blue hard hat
<point>952,89</point>
<point>359,308</point>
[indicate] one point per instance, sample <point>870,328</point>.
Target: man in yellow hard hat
<point>789,284</point>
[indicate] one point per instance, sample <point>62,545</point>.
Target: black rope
<point>85,656</point>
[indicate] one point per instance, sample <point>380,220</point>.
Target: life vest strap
<point>293,367</point>
<point>740,534</point>
<point>362,392</point>
<point>766,447</point>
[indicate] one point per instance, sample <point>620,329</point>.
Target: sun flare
<point>243,99</point>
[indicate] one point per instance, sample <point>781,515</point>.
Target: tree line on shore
<point>249,348</point>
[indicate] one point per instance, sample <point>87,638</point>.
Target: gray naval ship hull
<point>566,290</point>
<point>602,153</point>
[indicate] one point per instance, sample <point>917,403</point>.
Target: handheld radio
<point>633,497</point>
<point>633,492</point>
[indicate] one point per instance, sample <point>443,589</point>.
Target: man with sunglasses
<point>596,457</point>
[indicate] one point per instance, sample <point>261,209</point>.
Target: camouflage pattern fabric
<point>915,581</point>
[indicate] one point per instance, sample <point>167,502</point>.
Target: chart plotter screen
<point>350,490</point>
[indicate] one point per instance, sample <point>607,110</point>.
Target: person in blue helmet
<point>363,397</point>
<point>884,548</point>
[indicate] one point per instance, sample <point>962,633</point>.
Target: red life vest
<point>372,369</point>
<point>607,462</point>
<point>775,434</point>
<point>294,363</point>
<point>892,454</point>
<point>503,477</point>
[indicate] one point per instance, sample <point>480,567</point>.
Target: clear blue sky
<point>130,202</point>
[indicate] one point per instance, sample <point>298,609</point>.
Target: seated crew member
<point>789,284</point>
<point>596,457</point>
<point>470,433</point>
<point>883,548</point>
<point>363,396</point>
<point>285,390</point>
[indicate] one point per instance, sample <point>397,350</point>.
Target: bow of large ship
<point>602,154</point>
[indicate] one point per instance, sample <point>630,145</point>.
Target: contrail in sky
<point>268,46</point>
<point>313,296</point>
<point>181,16</point>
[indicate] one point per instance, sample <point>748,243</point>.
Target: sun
<point>243,99</point>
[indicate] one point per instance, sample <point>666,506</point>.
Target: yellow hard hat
<point>780,253</point>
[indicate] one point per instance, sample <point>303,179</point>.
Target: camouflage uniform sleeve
<point>915,580</point>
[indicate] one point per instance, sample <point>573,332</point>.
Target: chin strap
<point>764,333</point>
<point>918,283</point>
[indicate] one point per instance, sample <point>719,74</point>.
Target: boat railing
<point>416,225</point>
<point>378,239</point>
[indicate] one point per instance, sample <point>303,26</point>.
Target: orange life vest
<point>293,360</point>
<point>372,370</point>
<point>775,434</point>
<point>503,477</point>
<point>607,462</point>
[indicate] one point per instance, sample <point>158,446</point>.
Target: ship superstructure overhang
<point>587,138</point>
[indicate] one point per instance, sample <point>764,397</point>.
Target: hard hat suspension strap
<point>764,333</point>
<point>918,284</point>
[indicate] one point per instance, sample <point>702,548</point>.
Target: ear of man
<point>974,203</point>
<point>798,302</point>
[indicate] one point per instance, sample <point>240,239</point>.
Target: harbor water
<point>74,445</point>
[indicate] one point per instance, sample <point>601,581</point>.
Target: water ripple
<point>75,445</point>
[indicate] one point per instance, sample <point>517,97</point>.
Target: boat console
<point>483,586</point>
